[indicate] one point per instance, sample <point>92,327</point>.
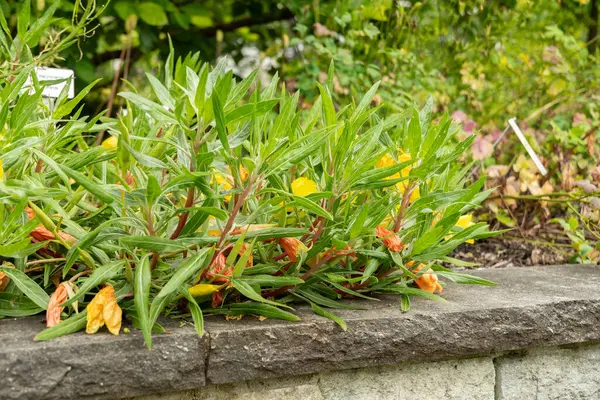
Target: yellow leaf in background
<point>110,143</point>
<point>203,289</point>
<point>557,87</point>
<point>304,187</point>
<point>103,309</point>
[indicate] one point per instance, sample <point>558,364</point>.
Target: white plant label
<point>53,74</point>
<point>536,160</point>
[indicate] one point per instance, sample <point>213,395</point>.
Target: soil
<point>499,253</point>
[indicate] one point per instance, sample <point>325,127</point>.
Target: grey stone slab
<point>550,374</point>
<point>537,306</point>
<point>534,306</point>
<point>99,366</point>
<point>458,379</point>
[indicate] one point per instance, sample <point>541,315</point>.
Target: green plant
<point>223,192</point>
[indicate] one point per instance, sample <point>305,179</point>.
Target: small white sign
<point>536,160</point>
<point>53,74</point>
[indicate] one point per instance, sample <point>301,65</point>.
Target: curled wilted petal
<point>389,239</point>
<point>54,305</point>
<point>40,233</point>
<point>427,282</point>
<point>203,289</point>
<point>217,267</point>
<point>3,281</point>
<point>217,299</point>
<point>103,309</point>
<point>290,246</point>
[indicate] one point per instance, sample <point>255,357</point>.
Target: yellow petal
<point>103,309</point>
<point>203,289</point>
<point>465,221</point>
<point>404,158</point>
<point>110,143</point>
<point>304,187</point>
<point>112,314</point>
<point>385,161</point>
<point>95,319</point>
<point>1,171</point>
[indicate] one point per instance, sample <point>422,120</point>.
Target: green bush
<point>223,197</point>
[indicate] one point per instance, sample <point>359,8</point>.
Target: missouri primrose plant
<point>212,196</point>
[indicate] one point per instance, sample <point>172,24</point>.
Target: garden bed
<point>500,252</point>
<point>530,308</point>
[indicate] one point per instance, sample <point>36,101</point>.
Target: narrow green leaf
<point>74,323</point>
<point>265,310</point>
<point>324,313</point>
<point>99,276</point>
<point>89,185</point>
<point>245,289</point>
<point>27,286</point>
<point>195,310</point>
<point>141,297</point>
<point>220,121</point>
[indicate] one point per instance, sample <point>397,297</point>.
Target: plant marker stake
<point>536,160</point>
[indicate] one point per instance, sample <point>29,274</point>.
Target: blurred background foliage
<point>491,59</point>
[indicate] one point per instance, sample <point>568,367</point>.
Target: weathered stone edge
<point>516,315</point>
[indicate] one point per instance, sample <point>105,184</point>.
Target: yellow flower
<point>1,171</point>
<point>103,309</point>
<point>243,173</point>
<point>224,183</point>
<point>387,161</point>
<point>203,289</point>
<point>464,222</point>
<point>303,187</point>
<point>110,143</point>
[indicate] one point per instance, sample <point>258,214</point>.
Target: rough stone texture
<point>96,366</point>
<point>534,306</point>
<point>531,307</point>
<point>555,374</point>
<point>458,379</point>
<point>296,387</point>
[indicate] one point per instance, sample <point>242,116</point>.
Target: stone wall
<point>504,342</point>
<point>546,373</point>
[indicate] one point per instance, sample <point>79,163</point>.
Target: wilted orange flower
<point>41,234</point>
<point>54,305</point>
<point>217,299</point>
<point>3,281</point>
<point>291,246</point>
<point>103,309</point>
<point>243,249</point>
<point>216,268</point>
<point>389,239</point>
<point>427,282</point>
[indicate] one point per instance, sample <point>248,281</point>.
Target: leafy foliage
<point>194,199</point>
